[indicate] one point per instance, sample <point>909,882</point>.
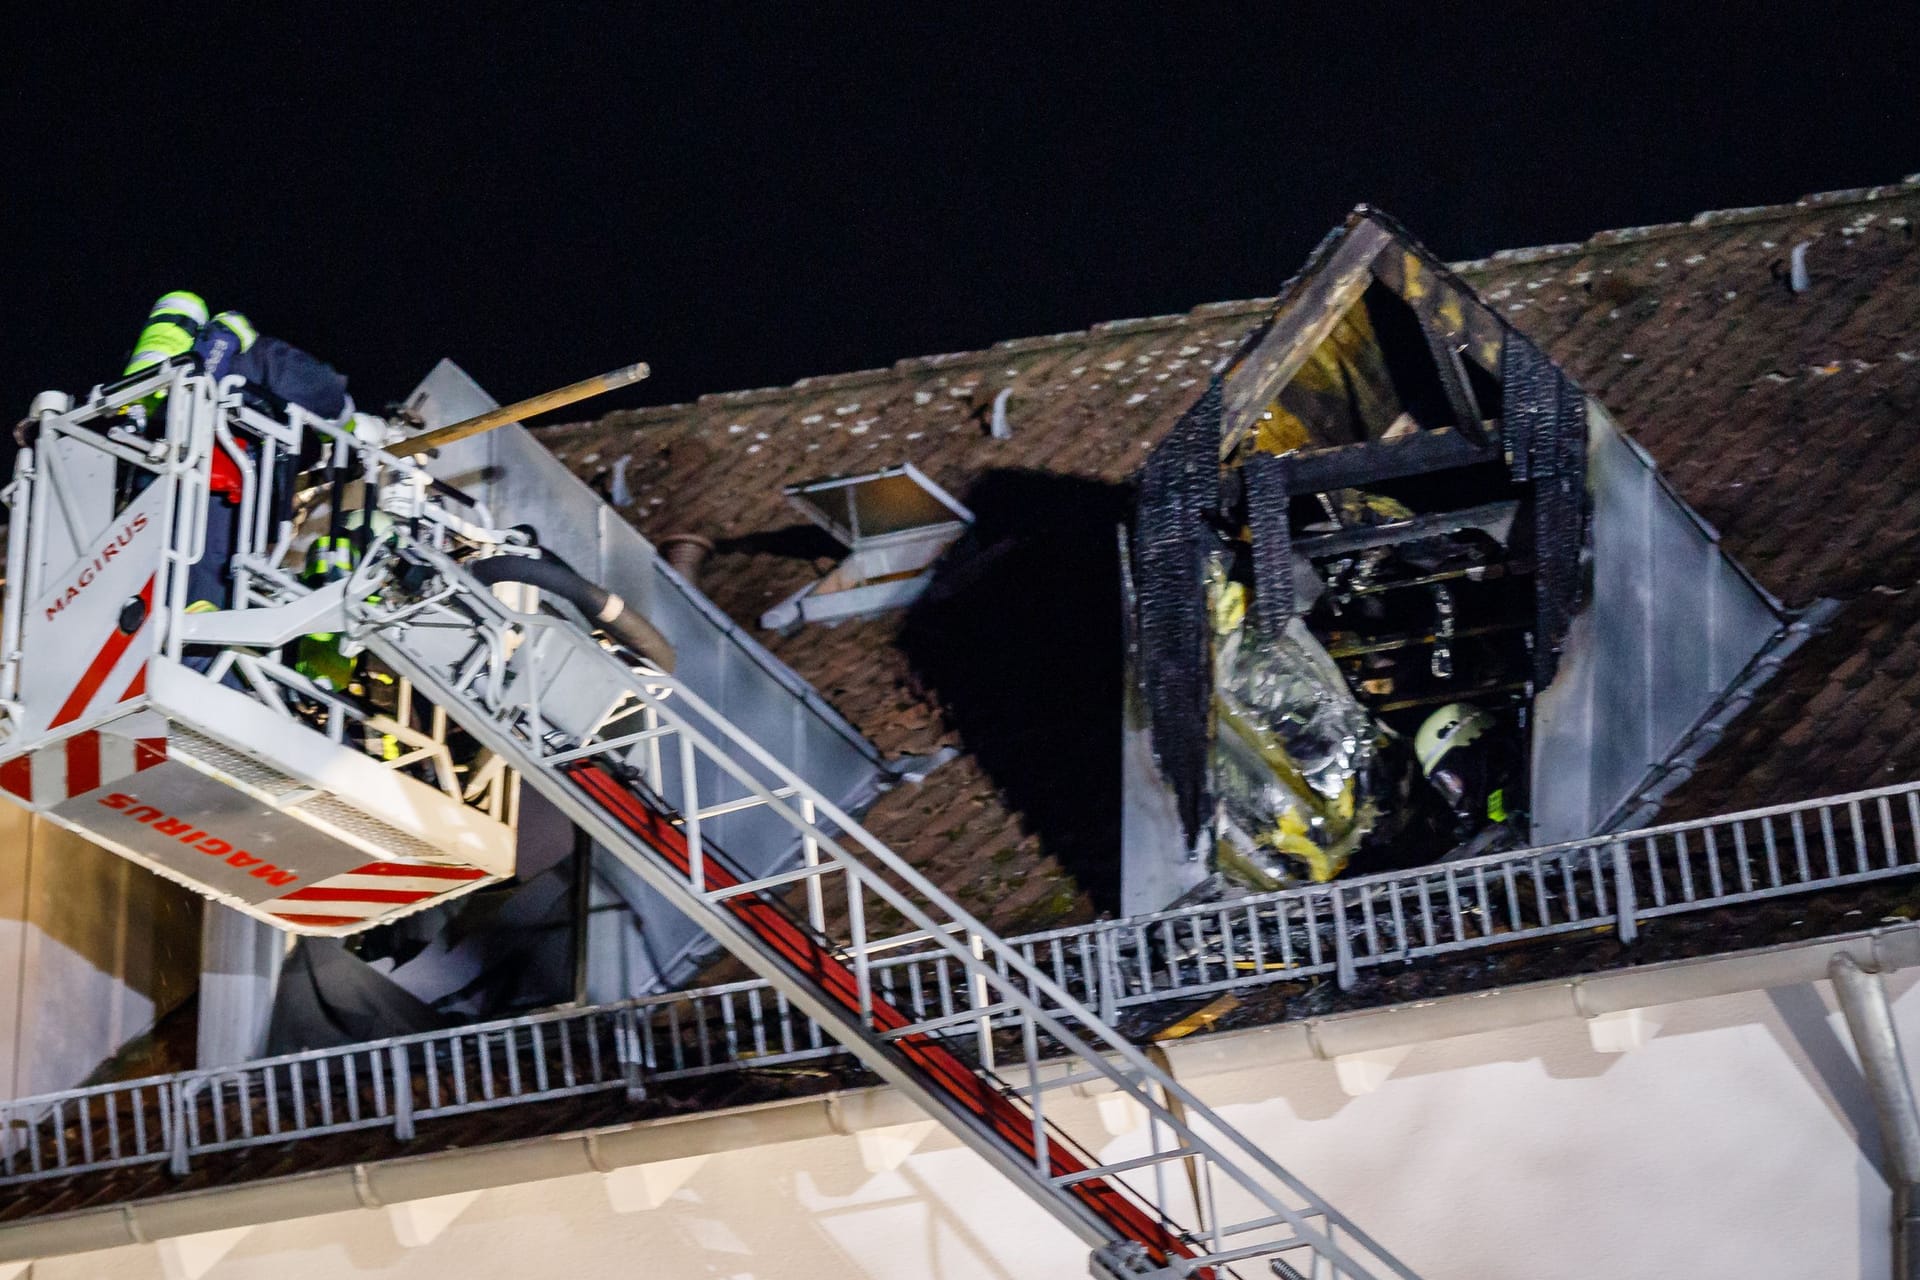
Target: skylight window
<point>894,522</point>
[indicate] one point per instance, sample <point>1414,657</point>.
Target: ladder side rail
<point>1113,1204</point>
<point>1143,1076</point>
<point>18,495</point>
<point>1033,1015</point>
<point>790,970</point>
<point>799,987</point>
<point>1132,1073</point>
<point>720,757</point>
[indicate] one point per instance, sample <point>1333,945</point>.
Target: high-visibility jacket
<point>331,557</point>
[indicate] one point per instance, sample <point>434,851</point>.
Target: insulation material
<point>1292,751</point>
<point>1179,489</point>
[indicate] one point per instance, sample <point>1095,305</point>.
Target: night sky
<point>746,195</point>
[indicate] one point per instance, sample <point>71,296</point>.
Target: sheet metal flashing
<point>521,480</point>
<point>1642,808</point>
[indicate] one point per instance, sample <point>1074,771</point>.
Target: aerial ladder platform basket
<point>183,754</point>
<point>125,710</point>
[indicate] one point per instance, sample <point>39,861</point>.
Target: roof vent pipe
<point>998,427</point>
<point>686,552</point>
<point>621,495</point>
<point>1797,277</point>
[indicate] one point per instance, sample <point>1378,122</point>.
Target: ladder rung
<point>1265,1249</point>
<point>1122,1166</point>
<point>770,882</point>
<point>610,745</point>
<point>1261,1224</point>
<point>746,802</point>
<point>950,1020</point>
<point>1072,1077</point>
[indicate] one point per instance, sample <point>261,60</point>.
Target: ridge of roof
<point>913,366</point>
<point>1707,218</point>
<point>916,366</point>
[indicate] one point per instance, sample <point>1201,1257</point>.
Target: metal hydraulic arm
<point>640,761</point>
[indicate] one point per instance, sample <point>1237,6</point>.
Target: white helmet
<point>1454,725</point>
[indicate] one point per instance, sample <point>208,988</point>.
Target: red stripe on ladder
<point>801,950</point>
<point>102,665</point>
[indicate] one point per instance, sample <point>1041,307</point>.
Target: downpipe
<point>1863,1000</point>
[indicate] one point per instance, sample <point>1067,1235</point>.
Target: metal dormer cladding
<point>1385,419</point>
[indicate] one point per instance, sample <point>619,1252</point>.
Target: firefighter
<point>334,555</point>
<point>320,656</point>
<point>229,344</point>
<point>1469,763</point>
<point>179,324</point>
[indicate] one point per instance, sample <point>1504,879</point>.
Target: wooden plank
<point>1446,304</point>
<point>520,409</point>
<point>1304,324</point>
<point>1201,1019</point>
<point>1453,380</point>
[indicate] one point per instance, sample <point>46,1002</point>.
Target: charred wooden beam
<point>1496,518</point>
<point>1310,316</point>
<point>1355,466</point>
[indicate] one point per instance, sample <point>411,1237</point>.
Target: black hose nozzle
<point>607,611</point>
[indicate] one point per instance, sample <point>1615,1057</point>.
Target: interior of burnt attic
<point>1402,592</point>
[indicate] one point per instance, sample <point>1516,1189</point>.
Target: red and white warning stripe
<point>368,892</point>
<point>74,766</point>
<point>94,678</point>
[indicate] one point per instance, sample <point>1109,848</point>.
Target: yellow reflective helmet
<point>173,323</point>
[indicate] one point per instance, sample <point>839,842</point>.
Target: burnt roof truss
<point>1380,371</point>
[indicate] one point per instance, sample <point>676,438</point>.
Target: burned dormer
<point>1399,590</point>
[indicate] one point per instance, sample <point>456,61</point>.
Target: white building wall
<point>1738,1144</point>
<point>92,950</point>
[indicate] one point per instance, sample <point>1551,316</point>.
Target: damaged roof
<point>1781,408</point>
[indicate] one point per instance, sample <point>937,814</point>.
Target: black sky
<point>743,195</point>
